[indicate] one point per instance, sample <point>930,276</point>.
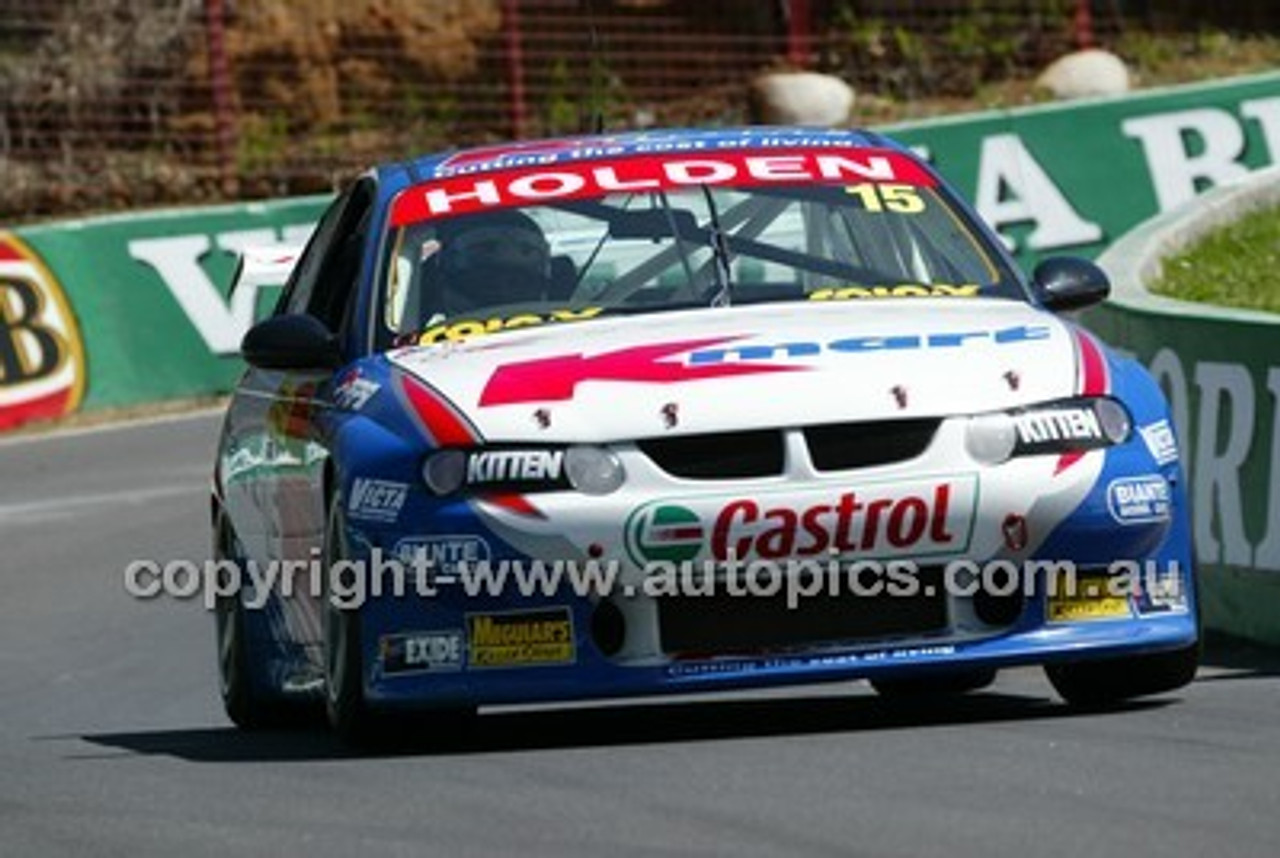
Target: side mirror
<point>294,341</point>
<point>1068,283</point>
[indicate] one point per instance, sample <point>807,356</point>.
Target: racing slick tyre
<point>950,684</point>
<point>1094,683</point>
<point>239,663</point>
<point>356,723</point>
<point>349,715</point>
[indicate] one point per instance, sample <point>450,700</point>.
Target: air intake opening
<point>844,446</point>
<point>721,456</point>
<point>608,629</point>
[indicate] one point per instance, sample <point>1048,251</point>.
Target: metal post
<point>1084,24</point>
<point>515,67</point>
<point>798,32</point>
<point>220,84</point>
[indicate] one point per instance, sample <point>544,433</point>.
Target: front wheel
<point>239,698</point>
<point>1092,683</point>
<point>243,682</point>
<point>349,714</point>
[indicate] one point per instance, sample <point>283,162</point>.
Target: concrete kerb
<point>1240,592</point>
<point>1137,259</point>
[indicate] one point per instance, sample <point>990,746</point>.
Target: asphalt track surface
<point>113,742</point>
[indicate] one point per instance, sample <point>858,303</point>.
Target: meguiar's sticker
<point>900,290</point>
<point>534,638</point>
<point>465,329</point>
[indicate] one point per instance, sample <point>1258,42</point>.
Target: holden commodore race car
<point>683,411</point>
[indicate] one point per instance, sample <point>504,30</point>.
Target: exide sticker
<point>421,652</point>
<point>901,519</point>
<point>456,195</point>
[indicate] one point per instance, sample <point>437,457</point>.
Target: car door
<point>273,456</point>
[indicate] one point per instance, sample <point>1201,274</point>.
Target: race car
<point>677,411</point>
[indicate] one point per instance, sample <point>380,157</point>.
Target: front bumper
<point>562,644</point>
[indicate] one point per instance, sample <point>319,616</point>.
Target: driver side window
<point>297,292</point>
<point>327,273</point>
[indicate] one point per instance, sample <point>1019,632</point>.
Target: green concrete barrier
<point>1220,369</point>
<point>125,310</point>
<point>148,294</point>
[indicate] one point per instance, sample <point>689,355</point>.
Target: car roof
<point>394,177</point>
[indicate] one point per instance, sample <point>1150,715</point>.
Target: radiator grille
<point>719,456</point>
<point>845,446</point>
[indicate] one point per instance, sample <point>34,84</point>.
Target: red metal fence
<point>114,103</point>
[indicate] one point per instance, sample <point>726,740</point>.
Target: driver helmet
<point>492,259</point>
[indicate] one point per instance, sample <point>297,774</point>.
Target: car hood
<point>716,370</point>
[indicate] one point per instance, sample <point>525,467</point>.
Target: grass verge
<point>1237,266</point>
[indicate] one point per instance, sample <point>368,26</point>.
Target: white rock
<point>800,98</point>
<point>1085,73</point>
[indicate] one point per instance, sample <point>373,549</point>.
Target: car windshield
<point>456,276</point>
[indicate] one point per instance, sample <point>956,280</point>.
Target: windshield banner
<point>539,185</point>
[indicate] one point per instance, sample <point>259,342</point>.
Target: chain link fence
<point>107,104</point>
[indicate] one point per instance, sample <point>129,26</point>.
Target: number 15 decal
<point>903,199</point>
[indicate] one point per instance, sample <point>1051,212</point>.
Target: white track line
<point>115,426</point>
<point>66,507</point>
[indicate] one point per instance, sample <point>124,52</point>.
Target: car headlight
<point>593,470</point>
<point>1082,423</point>
<point>445,471</point>
<point>1114,419</point>
<point>990,438</point>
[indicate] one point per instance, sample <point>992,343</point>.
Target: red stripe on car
<point>1093,379</point>
<point>519,504</point>
<point>442,421</point>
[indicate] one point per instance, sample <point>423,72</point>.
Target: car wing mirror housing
<point>292,341</point>
<point>1069,283</point>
